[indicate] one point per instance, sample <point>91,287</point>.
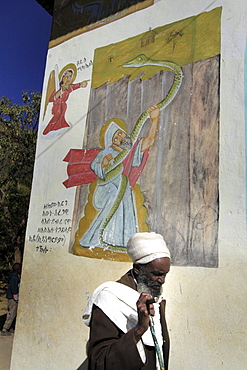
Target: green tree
<point>18,134</point>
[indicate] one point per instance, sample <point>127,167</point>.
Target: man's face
<point>121,139</point>
<point>151,276</point>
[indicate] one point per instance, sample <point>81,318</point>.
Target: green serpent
<point>116,167</point>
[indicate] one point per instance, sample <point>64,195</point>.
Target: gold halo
<point>68,66</point>
<point>120,122</point>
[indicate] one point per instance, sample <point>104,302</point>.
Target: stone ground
<point>5,352</point>
<point>5,342</point>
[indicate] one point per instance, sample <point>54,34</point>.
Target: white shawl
<point>118,302</point>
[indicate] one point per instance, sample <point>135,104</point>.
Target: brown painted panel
<point>175,187</point>
<point>204,159</point>
<point>96,116</point>
<point>180,179</point>
<point>116,100</point>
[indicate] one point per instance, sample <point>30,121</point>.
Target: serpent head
<point>140,60</point>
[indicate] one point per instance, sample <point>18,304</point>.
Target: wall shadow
<point>83,366</point>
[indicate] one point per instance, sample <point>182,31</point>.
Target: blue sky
<point>25,32</point>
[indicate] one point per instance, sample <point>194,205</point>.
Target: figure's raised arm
<point>148,141</point>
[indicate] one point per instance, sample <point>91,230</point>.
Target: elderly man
<point>127,318</point>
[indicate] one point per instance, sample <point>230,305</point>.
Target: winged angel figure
<point>59,87</point>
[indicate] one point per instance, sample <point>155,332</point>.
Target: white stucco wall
<point>206,307</point>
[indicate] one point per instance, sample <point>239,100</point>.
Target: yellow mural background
<point>182,42</point>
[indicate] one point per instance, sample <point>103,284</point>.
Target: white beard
<point>143,288</point>
<point>127,145</point>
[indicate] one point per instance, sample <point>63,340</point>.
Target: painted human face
<point>151,276</point>
<point>67,78</point>
<point>121,139</point>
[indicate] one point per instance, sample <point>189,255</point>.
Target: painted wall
<point>245,104</point>
<point>206,306</point>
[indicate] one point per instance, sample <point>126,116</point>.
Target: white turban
<point>146,247</point>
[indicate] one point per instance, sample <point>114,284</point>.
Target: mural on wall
<point>150,156</point>
<point>118,166</point>
<point>59,87</point>
<point>79,16</point>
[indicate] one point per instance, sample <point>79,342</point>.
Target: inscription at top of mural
<point>83,64</point>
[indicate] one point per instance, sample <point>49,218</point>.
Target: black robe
<point>111,349</point>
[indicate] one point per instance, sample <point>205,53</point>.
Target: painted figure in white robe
<point>123,223</point>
